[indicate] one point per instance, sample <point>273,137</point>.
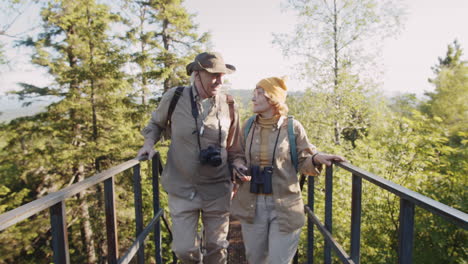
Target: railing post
<point>111,221</point>
<point>138,210</point>
<point>58,222</point>
<point>157,226</point>
<point>310,224</point>
<point>406,229</point>
<point>302,180</point>
<point>356,201</point>
<point>328,210</point>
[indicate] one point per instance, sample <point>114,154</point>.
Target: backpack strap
<point>230,102</point>
<point>248,126</point>
<point>178,94</point>
<point>292,142</point>
<point>172,105</point>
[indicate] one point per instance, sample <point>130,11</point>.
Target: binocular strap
<point>274,148</point>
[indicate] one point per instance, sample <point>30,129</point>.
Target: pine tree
<point>94,122</point>
<point>452,58</point>
<point>88,125</point>
<point>165,39</point>
<point>448,101</point>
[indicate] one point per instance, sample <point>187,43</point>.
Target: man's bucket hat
<point>211,62</point>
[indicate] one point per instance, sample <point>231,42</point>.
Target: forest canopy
<point>100,107</point>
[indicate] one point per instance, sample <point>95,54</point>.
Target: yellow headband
<point>275,87</point>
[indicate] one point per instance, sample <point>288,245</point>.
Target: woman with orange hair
<point>268,202</point>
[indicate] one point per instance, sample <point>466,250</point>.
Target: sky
<point>242,31</point>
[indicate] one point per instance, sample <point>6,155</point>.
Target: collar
<point>198,98</point>
<point>278,124</point>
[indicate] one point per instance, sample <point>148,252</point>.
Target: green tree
<point>447,184</point>
<point>402,150</point>
<point>413,148</point>
<point>416,150</point>
<point>448,101</point>
<point>94,122</point>
<point>452,58</point>
<point>88,126</point>
<point>24,172</point>
<point>335,43</point>
<point>165,39</point>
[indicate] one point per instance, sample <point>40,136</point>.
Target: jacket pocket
<point>292,214</point>
<point>244,203</point>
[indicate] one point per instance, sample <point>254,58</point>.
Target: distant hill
<point>11,107</point>
<point>7,115</point>
<point>245,96</point>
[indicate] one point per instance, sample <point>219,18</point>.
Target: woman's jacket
<point>285,183</point>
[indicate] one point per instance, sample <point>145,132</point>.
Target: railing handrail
<point>458,217</point>
<point>55,202</point>
<point>20,213</point>
<point>408,201</point>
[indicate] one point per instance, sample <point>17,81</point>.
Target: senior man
<point>203,125</point>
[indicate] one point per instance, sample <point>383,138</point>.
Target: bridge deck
<point>236,251</point>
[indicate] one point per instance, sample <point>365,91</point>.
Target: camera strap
<point>274,148</point>
<point>195,115</point>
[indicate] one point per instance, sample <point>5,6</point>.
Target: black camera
<point>211,156</point>
<point>261,179</point>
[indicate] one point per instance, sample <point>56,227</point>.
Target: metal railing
<point>408,200</point>
<point>55,202</point>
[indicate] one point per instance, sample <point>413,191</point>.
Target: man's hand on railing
<point>147,149</point>
<point>327,159</point>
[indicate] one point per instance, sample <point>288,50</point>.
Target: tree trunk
<point>165,38</point>
<point>85,228</point>
<point>336,92</point>
<point>144,68</point>
<point>86,231</point>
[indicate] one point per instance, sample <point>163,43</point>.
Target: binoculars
<point>261,179</point>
